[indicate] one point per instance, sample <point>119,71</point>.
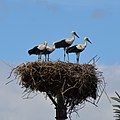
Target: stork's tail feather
<point>71,49</point>
<point>34,50</point>
<point>56,45</point>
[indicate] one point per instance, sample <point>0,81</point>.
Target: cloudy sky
<point>26,23</point>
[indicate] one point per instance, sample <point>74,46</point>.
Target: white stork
<point>66,43</point>
<point>78,49</point>
<point>49,50</point>
<point>38,50</point>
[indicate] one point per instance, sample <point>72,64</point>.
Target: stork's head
<point>74,34</point>
<point>86,39</point>
<point>45,43</point>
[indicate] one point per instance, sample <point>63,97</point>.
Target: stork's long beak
<point>76,34</point>
<point>89,41</point>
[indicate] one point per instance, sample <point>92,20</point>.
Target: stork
<point>49,50</point>
<point>38,50</point>
<point>66,43</point>
<point>78,49</point>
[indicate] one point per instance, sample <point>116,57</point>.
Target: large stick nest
<point>76,82</point>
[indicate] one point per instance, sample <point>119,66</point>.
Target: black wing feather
<point>71,49</point>
<point>34,50</point>
<point>61,44</point>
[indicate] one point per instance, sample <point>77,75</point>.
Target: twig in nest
<point>9,81</point>
<point>69,88</point>
<point>92,103</point>
<point>94,60</point>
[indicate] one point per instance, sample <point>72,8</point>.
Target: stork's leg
<point>68,56</point>
<point>64,53</point>
<point>77,57</point>
<point>39,57</point>
<point>48,57</point>
<point>45,57</point>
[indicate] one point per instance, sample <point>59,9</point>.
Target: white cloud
<point>13,107</point>
<point>112,77</point>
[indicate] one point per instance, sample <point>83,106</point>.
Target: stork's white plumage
<point>38,50</point>
<point>78,49</point>
<point>66,43</point>
<point>49,50</point>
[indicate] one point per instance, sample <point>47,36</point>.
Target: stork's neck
<point>73,36</point>
<point>85,44</point>
<point>53,46</point>
<point>46,44</point>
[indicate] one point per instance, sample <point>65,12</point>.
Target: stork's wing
<point>48,50</point>
<point>41,47</point>
<point>71,49</point>
<point>61,44</point>
<point>34,50</point>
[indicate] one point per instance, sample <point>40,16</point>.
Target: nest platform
<point>76,82</point>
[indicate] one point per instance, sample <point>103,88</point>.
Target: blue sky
<point>26,23</point>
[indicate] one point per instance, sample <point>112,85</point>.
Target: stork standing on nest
<point>66,43</point>
<point>49,50</point>
<point>78,49</point>
<point>38,50</point>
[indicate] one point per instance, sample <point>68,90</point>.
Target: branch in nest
<point>94,59</point>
